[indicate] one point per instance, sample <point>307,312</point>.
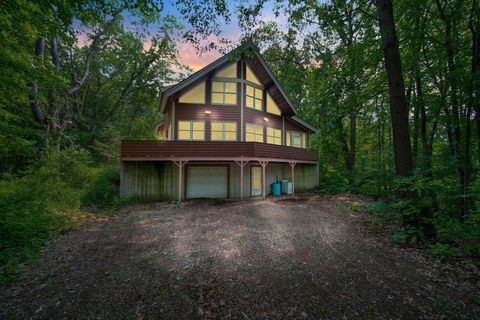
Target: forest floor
<point>304,258</point>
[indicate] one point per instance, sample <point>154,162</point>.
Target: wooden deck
<point>147,150</point>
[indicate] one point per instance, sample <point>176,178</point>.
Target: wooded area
<point>394,91</point>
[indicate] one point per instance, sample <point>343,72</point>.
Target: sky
<point>188,54</point>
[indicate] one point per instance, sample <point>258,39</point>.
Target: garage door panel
<point>207,182</point>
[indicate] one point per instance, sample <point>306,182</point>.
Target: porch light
<point>208,112</point>
<point>266,119</point>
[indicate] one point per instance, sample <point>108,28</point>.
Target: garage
<point>207,182</point>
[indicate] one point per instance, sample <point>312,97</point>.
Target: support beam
<point>263,164</point>
<point>242,164</point>
<point>292,165</point>
<point>180,164</point>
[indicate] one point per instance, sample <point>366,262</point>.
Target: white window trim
<point>191,130</point>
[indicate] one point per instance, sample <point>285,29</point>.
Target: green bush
<point>104,192</point>
<point>41,203</point>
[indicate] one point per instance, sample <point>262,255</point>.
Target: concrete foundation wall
<point>153,181</point>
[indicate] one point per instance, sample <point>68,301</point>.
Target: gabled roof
<point>275,91</point>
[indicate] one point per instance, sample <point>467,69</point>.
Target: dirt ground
<point>304,259</point>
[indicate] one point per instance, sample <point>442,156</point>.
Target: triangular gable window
<point>194,95</point>
<point>229,71</point>
<point>252,77</point>
<point>272,106</point>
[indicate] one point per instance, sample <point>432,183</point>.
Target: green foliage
<point>104,192</point>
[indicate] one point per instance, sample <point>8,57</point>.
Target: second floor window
<point>224,92</point>
<point>254,132</point>
<point>191,130</point>
<point>296,139</point>
<point>274,136</point>
<point>254,98</point>
<point>224,131</point>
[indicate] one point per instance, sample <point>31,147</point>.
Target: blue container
<point>276,188</point>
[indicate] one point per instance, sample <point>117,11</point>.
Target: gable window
<point>254,98</point>
<point>274,136</point>
<point>224,92</point>
<point>254,132</point>
<point>296,139</point>
<point>194,95</point>
<point>224,131</point>
<point>229,71</point>
<point>272,107</point>
<point>250,76</point>
<point>191,130</point>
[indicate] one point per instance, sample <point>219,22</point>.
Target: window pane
<point>183,125</point>
<point>230,126</point>
<point>270,131</point>
<point>230,87</point>
<point>184,135</point>
<point>217,136</point>
<point>217,98</point>
<point>217,86</point>
<point>259,130</point>
<point>230,98</point>
<point>249,128</point>
<point>250,91</point>
<point>249,102</point>
<point>230,136</point>
<point>288,139</point>
<point>259,138</point>
<point>198,135</point>
<point>198,125</point>
<point>217,126</point>
<point>258,104</point>
<point>270,139</point>
<point>250,136</point>
<point>258,93</point>
<point>194,95</point>
<point>228,72</point>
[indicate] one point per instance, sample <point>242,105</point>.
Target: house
<point>229,131</point>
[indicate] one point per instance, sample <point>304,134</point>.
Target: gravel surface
<point>300,259</point>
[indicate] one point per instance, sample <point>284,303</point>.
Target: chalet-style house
<point>229,131</point>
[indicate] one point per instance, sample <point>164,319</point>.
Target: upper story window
<point>224,92</point>
<point>194,95</point>
<point>254,132</point>
<point>224,131</point>
<point>254,98</point>
<point>274,136</point>
<point>272,107</point>
<point>229,71</point>
<point>250,76</point>
<point>296,139</point>
<point>191,130</point>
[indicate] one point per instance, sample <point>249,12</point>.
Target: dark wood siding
<point>290,126</point>
<point>218,113</point>
<point>165,150</point>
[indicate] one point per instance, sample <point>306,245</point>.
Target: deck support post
<point>263,164</point>
<point>242,164</point>
<point>292,165</point>
<point>180,164</point>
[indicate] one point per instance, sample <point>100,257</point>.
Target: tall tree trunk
<point>35,102</point>
<point>353,146</point>
<point>396,89</point>
<point>398,107</point>
<point>54,109</point>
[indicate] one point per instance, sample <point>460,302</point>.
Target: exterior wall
<point>149,180</point>
<point>156,181</point>
<point>238,113</point>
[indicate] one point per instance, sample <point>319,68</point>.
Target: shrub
<point>104,192</point>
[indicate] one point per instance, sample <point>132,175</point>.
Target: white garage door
<point>207,182</point>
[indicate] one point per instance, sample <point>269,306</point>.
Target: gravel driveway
<point>304,259</point>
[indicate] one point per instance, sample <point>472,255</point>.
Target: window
<point>272,106</point>
<point>250,76</point>
<point>194,95</point>
<point>224,131</point>
<point>274,136</point>
<point>254,132</point>
<point>191,130</point>
<point>254,98</point>
<point>296,139</point>
<point>224,92</point>
<point>229,71</point>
